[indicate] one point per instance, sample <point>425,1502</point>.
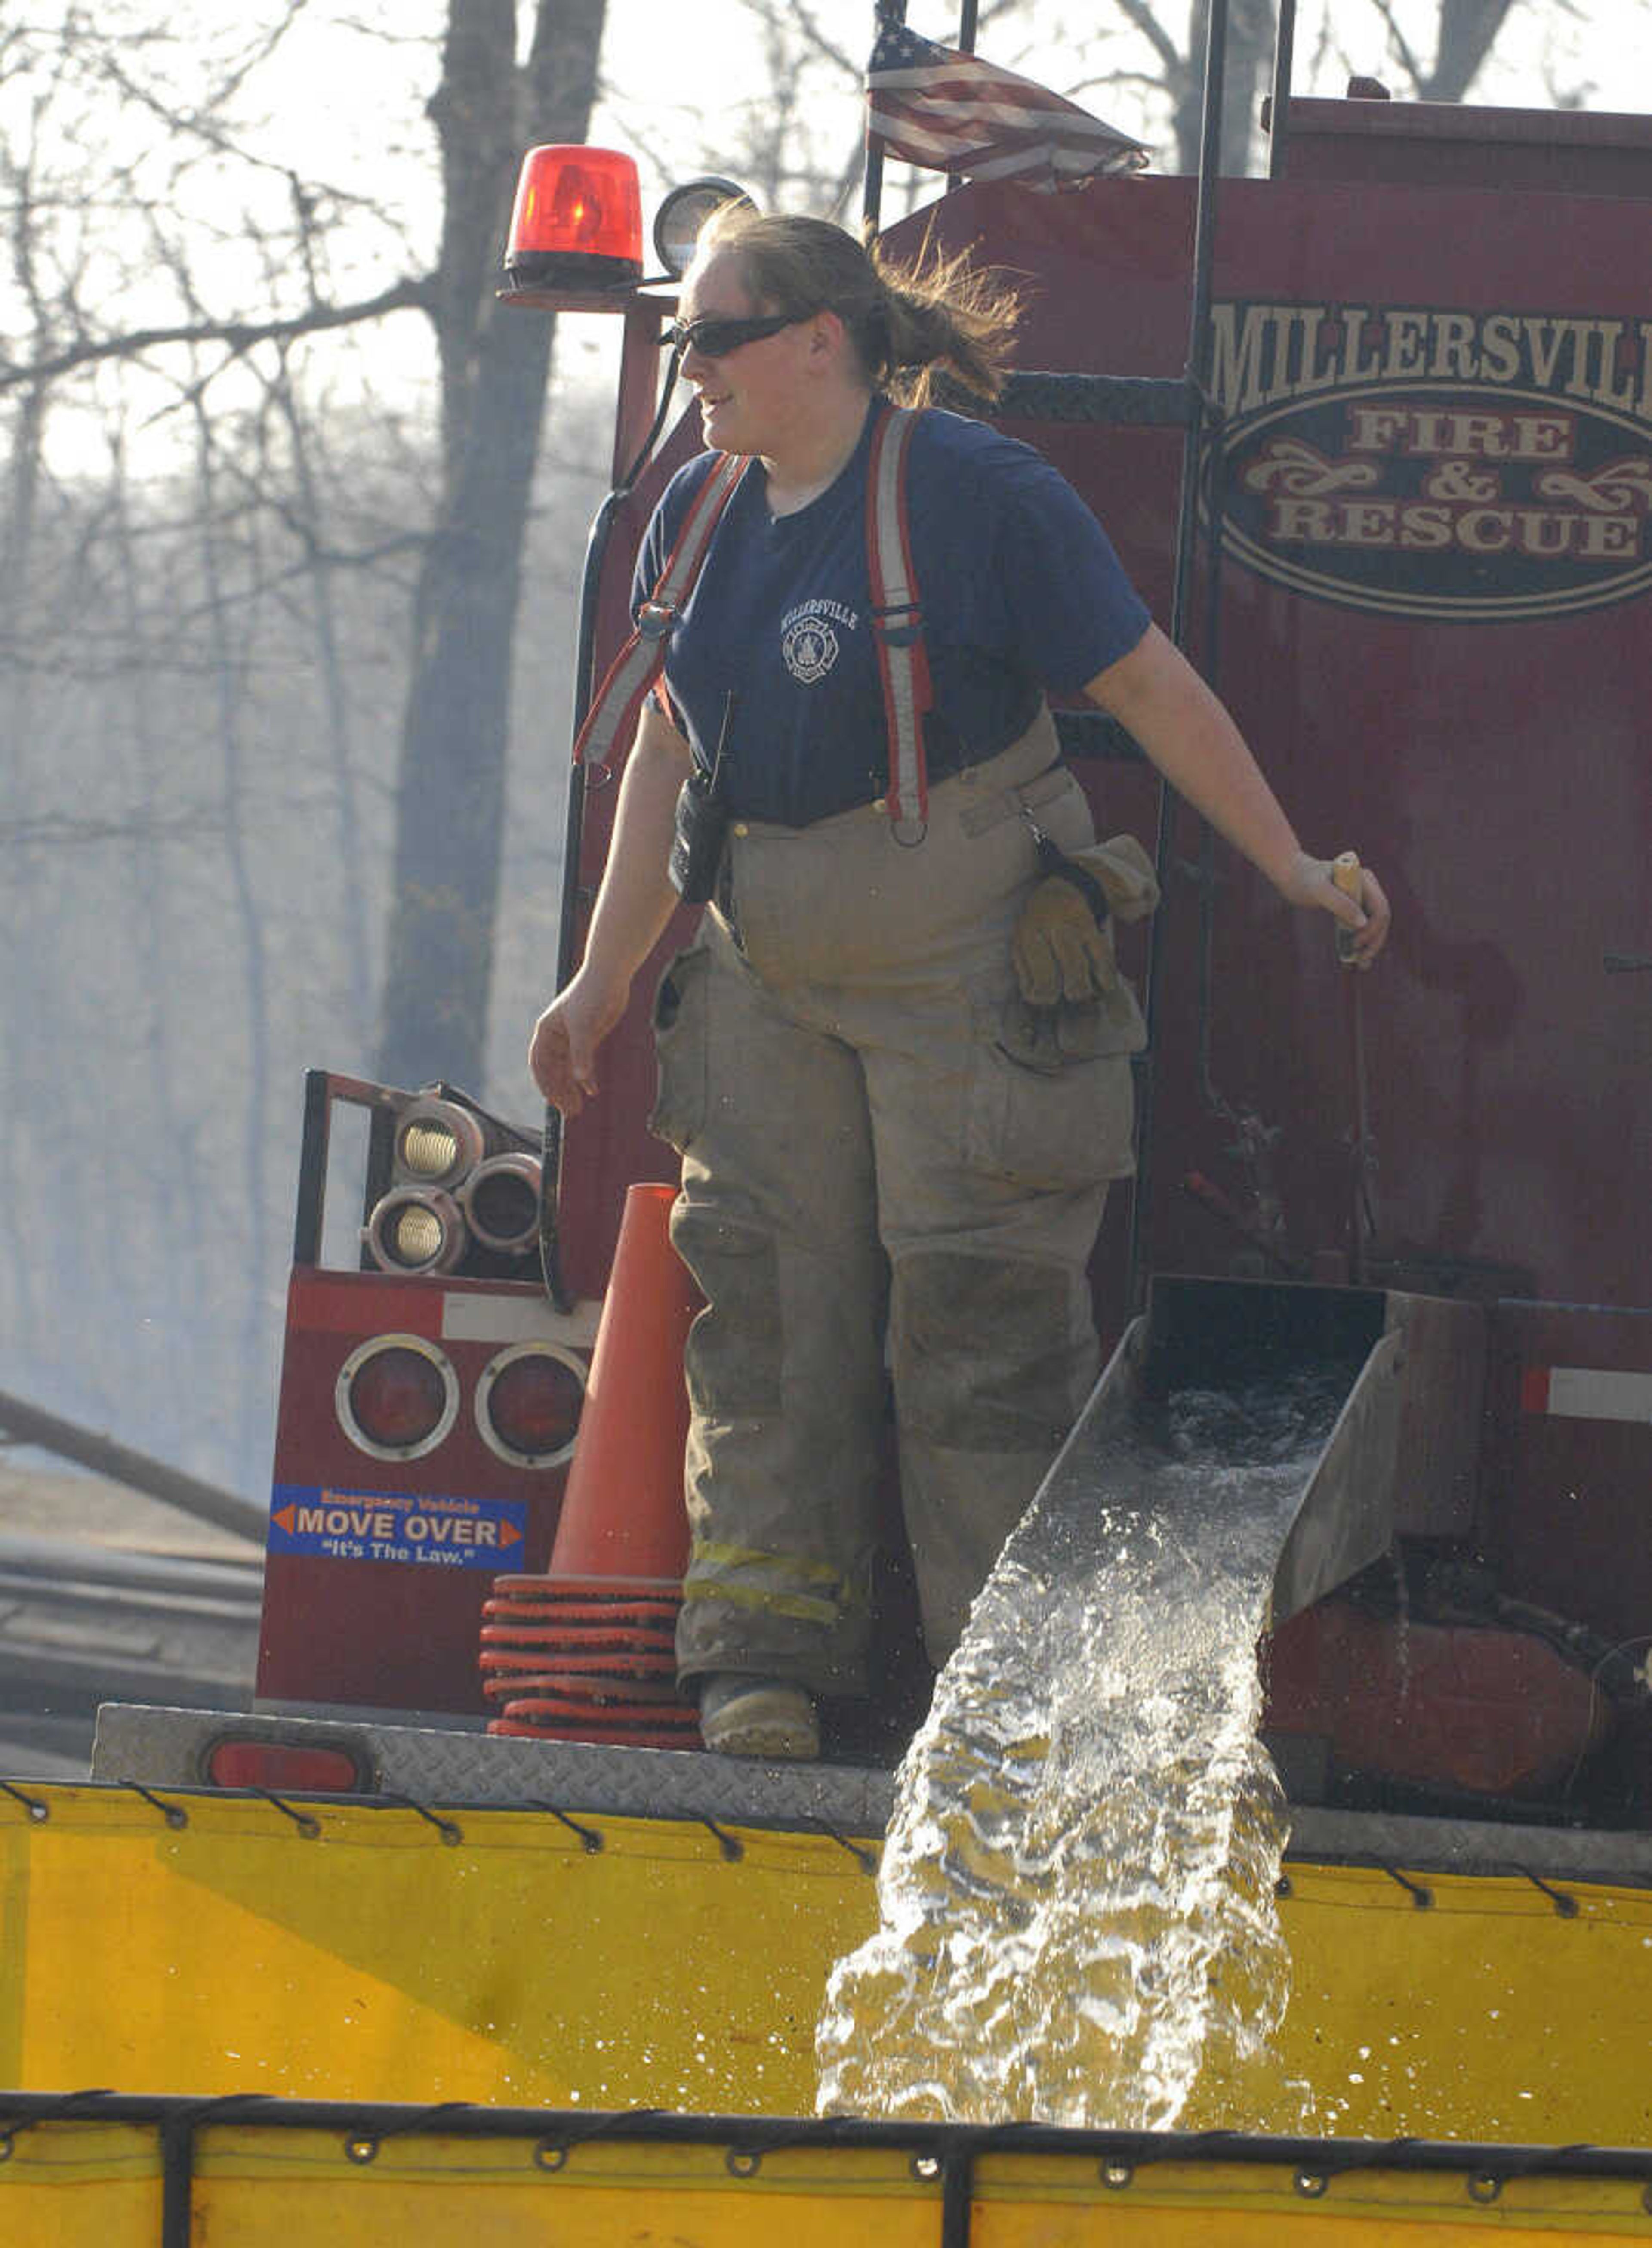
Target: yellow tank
<point>564,1972</point>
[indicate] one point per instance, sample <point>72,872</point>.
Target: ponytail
<point>948,313</point>
<point>905,321</point>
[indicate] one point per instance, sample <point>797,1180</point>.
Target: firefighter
<point>896,1057</point>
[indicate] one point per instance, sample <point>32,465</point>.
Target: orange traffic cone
<point>585,1652</point>
<point>622,1513</point>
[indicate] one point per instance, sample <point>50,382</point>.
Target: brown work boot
<point>770,1718</point>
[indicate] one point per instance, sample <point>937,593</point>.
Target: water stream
<point>1077,1893</point>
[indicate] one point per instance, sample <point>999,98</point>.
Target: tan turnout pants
<point>869,1180</point>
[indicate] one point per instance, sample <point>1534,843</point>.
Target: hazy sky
<point>343,102</point>
<point>673,75</point>
<point>672,62</point>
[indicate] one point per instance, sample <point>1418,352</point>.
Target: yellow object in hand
<point>1345,873</point>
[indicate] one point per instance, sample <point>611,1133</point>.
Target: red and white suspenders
<point>897,624</point>
<point>633,671</point>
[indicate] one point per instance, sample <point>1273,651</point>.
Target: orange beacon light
<point>577,221</point>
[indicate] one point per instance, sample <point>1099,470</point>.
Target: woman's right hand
<point>562,1055</point>
<point>634,905</point>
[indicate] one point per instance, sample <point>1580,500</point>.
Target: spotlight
<point>684,210</point>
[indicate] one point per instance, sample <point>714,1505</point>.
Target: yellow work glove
<point>1072,1004</point>
<point>1060,949</point>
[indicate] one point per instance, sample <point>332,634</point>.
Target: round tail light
<point>396,1396</point>
<point>500,1201</point>
<point>529,1401</point>
<point>416,1230</point>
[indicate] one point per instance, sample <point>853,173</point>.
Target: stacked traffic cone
<point>585,1652</point>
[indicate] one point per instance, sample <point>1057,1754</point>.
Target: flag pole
<point>1279,106</point>
<point>968,18</point>
<point>1199,326</point>
<point>883,11</point>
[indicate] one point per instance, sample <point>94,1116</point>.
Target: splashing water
<point>1078,1885</point>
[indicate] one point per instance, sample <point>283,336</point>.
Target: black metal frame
<point>384,1104</point>
<point>322,1088</point>
<point>943,2154</point>
<point>1200,406</point>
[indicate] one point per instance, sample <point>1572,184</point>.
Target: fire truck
<point>415,1941</point>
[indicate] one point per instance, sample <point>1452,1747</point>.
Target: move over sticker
<point>351,1525</point>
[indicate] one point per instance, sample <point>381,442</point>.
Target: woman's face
<point>753,398</point>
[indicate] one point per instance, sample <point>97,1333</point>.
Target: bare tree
<point>1465,32</point>
<point>206,517</point>
<point>494,366</point>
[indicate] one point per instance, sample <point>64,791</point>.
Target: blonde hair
<point>905,321</point>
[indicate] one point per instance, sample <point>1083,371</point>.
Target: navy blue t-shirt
<point>1021,591</point>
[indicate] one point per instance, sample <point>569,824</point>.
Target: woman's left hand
<point>1307,881</point>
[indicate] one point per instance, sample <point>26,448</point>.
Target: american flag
<point>954,113</point>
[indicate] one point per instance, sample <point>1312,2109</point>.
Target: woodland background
<point>291,517</point>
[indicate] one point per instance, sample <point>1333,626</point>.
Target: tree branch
<point>797,16</point>
<point>145,824</point>
<point>240,335</point>
<point>1399,46</point>
<point>203,122</point>
<point>1141,19</point>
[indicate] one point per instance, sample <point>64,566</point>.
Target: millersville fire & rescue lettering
<point>1480,466</point>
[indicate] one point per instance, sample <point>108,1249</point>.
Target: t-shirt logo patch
<point>809,647</point>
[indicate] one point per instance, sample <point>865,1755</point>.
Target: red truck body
<point>1431,364</point>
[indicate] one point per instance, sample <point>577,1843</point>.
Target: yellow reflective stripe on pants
<point>798,1605</point>
<point>714,1565</point>
<point>710,1554</point>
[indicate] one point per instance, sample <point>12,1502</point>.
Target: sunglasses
<point>714,339</point>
